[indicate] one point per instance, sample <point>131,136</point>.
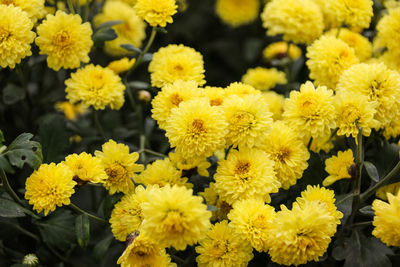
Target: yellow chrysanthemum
<point>156,12</point>
<point>387,28</point>
<point>16,36</point>
<point>97,87</point>
<point>251,219</point>
<point>392,129</point>
<point>131,31</point>
<point>300,235</point>
<point>71,111</point>
<point>324,143</point>
<point>237,12</point>
<point>248,120</point>
<point>216,95</point>
<point>387,220</point>
<point>354,13</point>
<point>175,217</point>
<point>127,217</point>
<point>281,50</point>
<point>289,153</point>
<point>50,186</point>
<point>185,164</point>
<point>310,112</point>
<point>338,167</point>
<point>328,57</point>
<point>120,167</point>
<point>196,129</point>
<point>384,190</point>
<point>162,172</point>
<point>122,65</point>
<point>65,40</point>
<point>171,96</point>
<point>129,2</point>
<point>246,173</point>
<point>144,251</point>
<point>176,62</point>
<point>298,21</point>
<point>275,103</point>
<point>33,8</point>
<point>240,89</point>
<point>223,247</point>
<point>264,79</point>
<point>86,168</point>
<point>212,198</point>
<point>376,82</point>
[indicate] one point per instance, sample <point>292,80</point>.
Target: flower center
<point>116,173</point>
<point>375,90</point>
<point>175,99</point>
<point>308,107</point>
<point>259,221</point>
<point>173,222</point>
<point>6,2</point>
<point>197,127</point>
<point>243,120</point>
<point>242,167</point>
<point>216,102</point>
<point>283,154</point>
<point>220,248</point>
<point>62,39</point>
<point>4,34</point>
<point>351,114</point>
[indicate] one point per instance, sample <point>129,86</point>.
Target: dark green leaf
<point>12,94</point>
<point>147,57</point>
<point>10,209</point>
<point>19,265</point>
<point>212,208</point>
<point>162,30</point>
<point>5,165</point>
<point>131,48</point>
<point>252,49</point>
<point>109,24</point>
<point>372,171</point>
<point>99,251</point>
<point>344,204</point>
<point>103,35</point>
<point>22,150</point>
<point>367,210</point>
<point>1,137</point>
<point>82,230</point>
<point>385,163</point>
<point>53,137</point>
<point>139,85</point>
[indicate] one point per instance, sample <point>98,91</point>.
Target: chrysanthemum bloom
<point>328,57</point>
<point>129,2</point>
<point>95,86</point>
<point>131,31</point>
<point>216,95</point>
<point>300,235</point>
<point>275,103</point>
<point>354,13</point>
<point>310,112</point>
<point>122,65</point>
<point>251,219</point>
<point>127,217</point>
<point>86,168</point>
<point>175,217</point>
<point>237,12</point>
<point>162,172</point>
<point>247,173</point>
<point>338,167</point>
<point>120,167</point>
<point>264,79</point>
<point>176,62</point>
<point>156,12</point>
<point>65,40</point>
<point>281,50</point>
<point>33,8</point>
<point>387,27</point>
<point>181,163</point>
<point>324,143</point>
<point>241,89</point>
<point>298,21</point>
<point>50,186</point>
<point>355,111</point>
<point>212,198</point>
<point>223,247</point>
<point>196,129</point>
<point>144,251</point>
<point>391,188</point>
<point>321,195</point>
<point>387,220</point>
<point>248,120</point>
<point>289,153</point>
<point>16,36</point>
<point>392,129</point>
<point>71,111</point>
<point>171,96</point>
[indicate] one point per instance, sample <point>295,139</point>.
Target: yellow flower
<point>120,167</point>
<point>251,219</point>
<point>216,95</point>
<point>324,143</point>
<point>175,217</point>
<point>384,190</point>
<point>16,36</point>
<point>237,12</point>
<point>387,220</point>
<point>33,8</point>
<point>275,103</point>
<point>71,111</point>
<point>129,2</point>
<point>162,172</point>
<point>264,79</point>
<point>156,12</point>
<point>240,89</point>
<point>199,163</point>
<point>248,120</point>
<point>280,50</point>
<point>86,168</point>
<point>310,112</point>
<point>122,65</point>
<point>196,129</point>
<point>288,152</point>
<point>247,173</point>
<point>338,167</point>
<point>49,186</point>
<point>298,21</point>
<point>376,82</point>
<point>328,57</point>
<point>300,235</point>
<point>131,31</point>
<point>176,62</point>
<point>65,40</point>
<point>212,198</point>
<point>387,28</point>
<point>392,129</point>
<point>354,13</point>
<point>95,86</point>
<point>223,247</point>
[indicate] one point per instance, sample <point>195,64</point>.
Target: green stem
<point>23,231</point>
<point>151,152</point>
<point>361,224</point>
<point>81,211</point>
<point>130,98</point>
<point>98,125</point>
<point>142,147</point>
<point>8,188</point>
<point>71,6</point>
<point>86,11</point>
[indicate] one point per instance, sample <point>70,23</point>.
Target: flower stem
<point>151,152</point>
<point>361,224</point>
<point>81,211</point>
<point>98,125</point>
<point>8,188</point>
<point>71,6</point>
<point>142,147</point>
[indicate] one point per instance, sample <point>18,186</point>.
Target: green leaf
<point>131,48</point>
<point>109,24</point>
<point>82,230</point>
<point>367,210</point>
<point>344,204</point>
<point>161,30</point>
<point>372,171</point>
<point>53,137</point>
<point>12,94</point>
<point>10,209</point>
<point>5,165</point>
<point>108,203</point>
<point>139,85</point>
<point>212,208</point>
<point>22,150</point>
<point>100,250</point>
<point>147,57</point>
<point>103,35</point>
<point>2,137</point>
